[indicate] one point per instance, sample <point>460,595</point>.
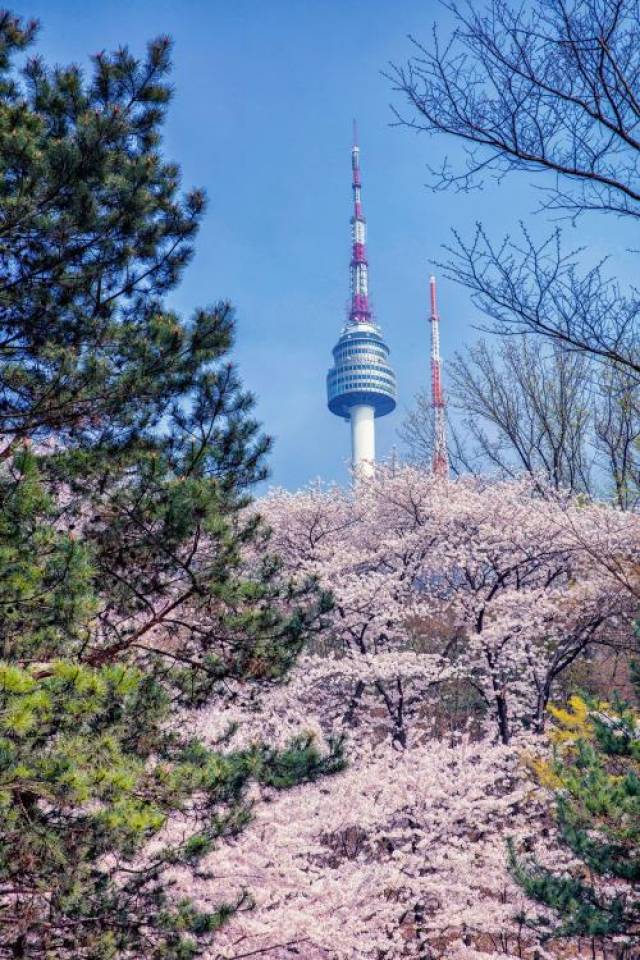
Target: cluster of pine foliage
<point>127,447</point>
<point>595,775</point>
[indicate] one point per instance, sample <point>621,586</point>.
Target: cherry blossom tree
<point>521,580</point>
<point>404,854</point>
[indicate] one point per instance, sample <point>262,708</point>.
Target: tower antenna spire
<point>440,462</point>
<point>360,311</point>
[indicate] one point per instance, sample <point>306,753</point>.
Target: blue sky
<point>265,94</point>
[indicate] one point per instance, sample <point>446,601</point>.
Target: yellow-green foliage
<point>573,722</point>
<point>56,747</point>
<point>595,777</point>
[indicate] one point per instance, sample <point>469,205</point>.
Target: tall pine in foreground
<point>127,449</point>
<point>595,776</point>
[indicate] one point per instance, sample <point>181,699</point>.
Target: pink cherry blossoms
<point>493,583</point>
<point>493,589</point>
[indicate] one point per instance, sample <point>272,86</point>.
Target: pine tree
<point>595,775</point>
<point>128,450</point>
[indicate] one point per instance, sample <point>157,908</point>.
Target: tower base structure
<point>363,442</point>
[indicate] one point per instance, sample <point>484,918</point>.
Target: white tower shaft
<point>363,440</point>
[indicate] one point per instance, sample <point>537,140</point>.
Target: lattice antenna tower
<point>440,460</point>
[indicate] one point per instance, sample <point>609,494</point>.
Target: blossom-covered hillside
<point>461,610</point>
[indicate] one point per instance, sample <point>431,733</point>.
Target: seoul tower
<point>361,385</point>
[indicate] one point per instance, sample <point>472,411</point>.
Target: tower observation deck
<point>361,385</point>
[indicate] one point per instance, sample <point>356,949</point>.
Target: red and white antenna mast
<point>440,462</point>
<point>360,311</point>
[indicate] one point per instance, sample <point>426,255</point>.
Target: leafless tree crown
<point>525,405</point>
<point>546,86</point>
